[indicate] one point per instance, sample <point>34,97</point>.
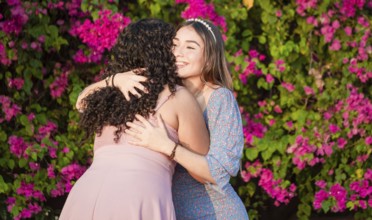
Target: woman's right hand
<point>128,82</point>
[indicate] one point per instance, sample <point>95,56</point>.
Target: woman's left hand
<point>149,136</point>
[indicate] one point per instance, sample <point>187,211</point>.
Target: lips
<point>181,64</point>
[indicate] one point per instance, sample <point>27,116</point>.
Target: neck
<point>195,87</point>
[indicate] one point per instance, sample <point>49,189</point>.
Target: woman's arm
<point>156,139</point>
<point>227,141</point>
<point>127,82</point>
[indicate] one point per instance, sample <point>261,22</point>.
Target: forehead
<point>188,33</point>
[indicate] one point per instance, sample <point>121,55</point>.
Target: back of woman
<point>127,182</point>
<point>124,181</point>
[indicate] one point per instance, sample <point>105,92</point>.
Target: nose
<point>177,51</point>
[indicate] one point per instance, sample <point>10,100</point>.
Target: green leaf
<point>326,205</point>
<point>24,120</point>
<point>251,153</point>
<point>11,164</point>
<point>41,118</point>
<point>3,136</point>
<point>34,156</point>
<point>22,162</point>
<point>251,188</point>
<point>262,39</point>
<point>3,185</point>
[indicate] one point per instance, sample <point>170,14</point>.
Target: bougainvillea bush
<point>302,76</point>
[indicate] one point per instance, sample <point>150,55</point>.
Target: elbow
<point>198,178</point>
<point>204,151</point>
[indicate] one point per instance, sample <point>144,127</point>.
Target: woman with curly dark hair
<point>124,181</point>
<point>201,187</point>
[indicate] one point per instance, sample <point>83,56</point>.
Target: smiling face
<point>189,52</point>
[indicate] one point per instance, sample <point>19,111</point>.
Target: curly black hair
<point>146,43</point>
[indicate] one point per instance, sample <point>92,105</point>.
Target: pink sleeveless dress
<point>123,182</point>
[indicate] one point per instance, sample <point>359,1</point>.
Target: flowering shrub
<point>302,73</point>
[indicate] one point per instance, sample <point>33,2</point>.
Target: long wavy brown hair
<point>147,44</point>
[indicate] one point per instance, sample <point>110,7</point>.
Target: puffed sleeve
<point>226,133</point>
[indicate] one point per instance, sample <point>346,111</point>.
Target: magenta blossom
<point>368,140</point>
<point>199,8</point>
<point>333,128</point>
<point>269,78</point>
<point>17,146</point>
<point>16,83</point>
<point>308,90</point>
<point>288,86</point>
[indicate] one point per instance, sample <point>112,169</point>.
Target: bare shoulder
<point>183,95</point>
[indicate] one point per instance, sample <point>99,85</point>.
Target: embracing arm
<point>193,134</point>
<point>226,144</point>
<point>126,82</point>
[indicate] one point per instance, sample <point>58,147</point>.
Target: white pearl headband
<point>206,25</point>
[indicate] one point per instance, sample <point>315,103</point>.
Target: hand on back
<point>129,82</point>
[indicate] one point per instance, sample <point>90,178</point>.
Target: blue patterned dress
<point>193,200</point>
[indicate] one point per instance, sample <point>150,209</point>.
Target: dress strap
<point>165,99</point>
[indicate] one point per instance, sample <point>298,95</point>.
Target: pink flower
<point>10,201</point>
<point>72,171</point>
<point>10,109</point>
<point>308,90</point>
<point>34,166</point>
<point>16,83</point>
<point>288,86</point>
<point>289,124</point>
<point>271,122</point>
<point>341,142</point>
<point>348,30</point>
<point>253,54</point>
<point>199,8</point>
<point>333,128</point>
<point>280,65</point>
<point>312,20</point>
<point>245,176</point>
<point>253,129</point>
<point>335,45</point>
<point>100,35</point>
<point>17,146</point>
<point>278,13</point>
<point>321,184</point>
<point>303,5</point>
<point>277,109</point>
<point>340,195</point>
<point>31,116</point>
<point>319,197</point>
<point>269,78</point>
<point>368,140</point>
<point>50,170</point>
<point>59,85</point>
<point>47,129</point>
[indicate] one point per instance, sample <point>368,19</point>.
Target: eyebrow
<point>188,41</point>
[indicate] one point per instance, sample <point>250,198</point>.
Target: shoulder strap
<point>164,100</point>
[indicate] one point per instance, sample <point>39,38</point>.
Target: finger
<point>134,127</point>
<point>143,120</point>
<point>126,95</point>
<point>139,86</point>
<point>137,143</point>
<point>133,135</point>
<point>139,123</point>
<point>138,78</point>
<point>135,92</point>
<point>138,70</point>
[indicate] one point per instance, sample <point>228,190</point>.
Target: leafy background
<point>302,76</point>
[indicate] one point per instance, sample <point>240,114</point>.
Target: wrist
<point>173,153</point>
<point>168,147</point>
<point>108,80</point>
